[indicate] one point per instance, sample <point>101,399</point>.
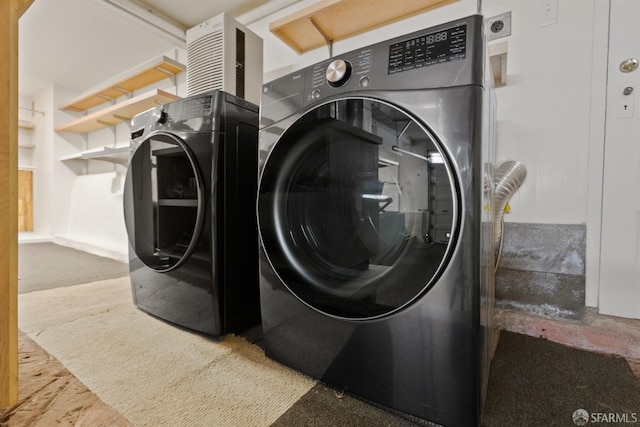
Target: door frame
<point>595,170</point>
<point>597,146</point>
<point>10,13</point>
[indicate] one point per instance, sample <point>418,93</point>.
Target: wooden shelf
<point>339,19</point>
<point>118,155</point>
<point>25,124</point>
<point>117,113</point>
<point>151,72</point>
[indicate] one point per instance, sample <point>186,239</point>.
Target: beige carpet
<point>151,372</point>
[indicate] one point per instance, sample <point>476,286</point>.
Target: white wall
<point>543,120</point>
<point>78,203</point>
<point>543,111</point>
<point>43,195</point>
<point>96,222</point>
<point>26,155</point>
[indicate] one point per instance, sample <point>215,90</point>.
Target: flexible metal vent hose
<point>507,179</point>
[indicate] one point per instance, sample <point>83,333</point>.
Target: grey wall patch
<point>542,270</point>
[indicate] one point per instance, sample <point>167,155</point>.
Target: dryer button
<point>315,94</point>
<point>364,81</point>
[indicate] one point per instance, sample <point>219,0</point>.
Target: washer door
<point>164,202</point>
<point>357,208</point>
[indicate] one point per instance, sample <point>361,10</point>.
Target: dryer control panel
<point>446,55</point>
<point>429,49</point>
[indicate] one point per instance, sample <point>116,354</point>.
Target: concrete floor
<point>597,333</point>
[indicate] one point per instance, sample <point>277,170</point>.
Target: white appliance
<point>223,54</point>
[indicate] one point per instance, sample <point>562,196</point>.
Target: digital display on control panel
<point>429,49</point>
<point>196,107</point>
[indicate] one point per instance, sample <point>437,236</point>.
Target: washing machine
<point>375,220</point>
<point>189,205</point>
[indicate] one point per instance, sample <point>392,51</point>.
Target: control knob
<point>338,72</point>
<point>158,115</point>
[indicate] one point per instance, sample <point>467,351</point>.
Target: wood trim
<point>22,6</point>
<point>10,12</point>
<point>25,200</point>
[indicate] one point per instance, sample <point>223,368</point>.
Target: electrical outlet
<point>498,26</point>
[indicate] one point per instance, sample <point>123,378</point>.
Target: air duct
<point>507,179</point>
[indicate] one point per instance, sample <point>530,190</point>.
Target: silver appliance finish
<point>390,325</point>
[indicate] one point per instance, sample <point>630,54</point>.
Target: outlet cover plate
<point>498,26</point>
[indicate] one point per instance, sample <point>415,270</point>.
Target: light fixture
<point>159,22</point>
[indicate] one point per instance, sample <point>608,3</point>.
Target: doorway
<point>619,276</point>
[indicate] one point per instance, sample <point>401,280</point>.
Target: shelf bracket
<point>324,35</point>
<point>126,92</point>
<point>167,72</point>
<point>404,128</point>
<point>32,110</point>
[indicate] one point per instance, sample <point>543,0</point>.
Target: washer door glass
<point>163,202</point>
<point>357,208</point>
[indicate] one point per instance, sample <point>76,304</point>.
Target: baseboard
<point>596,332</point>
<point>91,248</point>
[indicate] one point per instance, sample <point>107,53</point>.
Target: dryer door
<point>357,208</point>
<point>163,201</point>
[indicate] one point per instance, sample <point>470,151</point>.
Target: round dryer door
<point>357,208</point>
<point>163,201</point>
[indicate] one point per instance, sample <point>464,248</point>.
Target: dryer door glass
<point>163,202</point>
<point>357,208</point>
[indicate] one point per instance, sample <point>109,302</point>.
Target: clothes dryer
<point>375,219</point>
<point>189,206</point>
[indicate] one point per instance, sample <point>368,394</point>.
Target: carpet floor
<point>155,374</point>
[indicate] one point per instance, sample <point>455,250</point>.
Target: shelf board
<point>339,19</point>
<point>119,155</point>
<point>26,124</point>
<point>148,73</point>
<point>117,113</point>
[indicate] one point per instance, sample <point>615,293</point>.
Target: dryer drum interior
<point>166,185</point>
<point>357,208</point>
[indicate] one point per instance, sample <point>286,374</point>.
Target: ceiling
<point>80,43</point>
